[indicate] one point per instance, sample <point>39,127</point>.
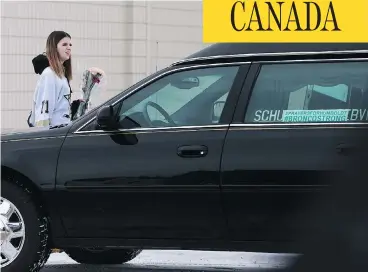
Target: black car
<point>223,150</point>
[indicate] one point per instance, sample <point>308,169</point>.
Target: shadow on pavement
<point>146,268</point>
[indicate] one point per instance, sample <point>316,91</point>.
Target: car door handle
<point>341,148</point>
<point>192,151</point>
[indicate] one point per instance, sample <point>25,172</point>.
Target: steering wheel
<point>160,109</point>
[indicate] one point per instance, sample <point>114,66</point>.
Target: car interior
<point>309,87</point>
<point>197,111</point>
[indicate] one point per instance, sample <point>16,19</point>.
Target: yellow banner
<point>285,21</point>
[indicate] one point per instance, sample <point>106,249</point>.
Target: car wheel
<point>24,230</point>
<point>104,256</point>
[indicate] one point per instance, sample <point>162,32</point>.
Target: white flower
<point>96,70</point>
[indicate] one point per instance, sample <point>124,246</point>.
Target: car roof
<point>251,51</point>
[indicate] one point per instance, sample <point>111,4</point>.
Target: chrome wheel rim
<point>12,232</point>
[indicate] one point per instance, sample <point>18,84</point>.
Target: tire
<point>108,256</point>
<point>31,224</point>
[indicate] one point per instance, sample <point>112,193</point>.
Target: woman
<point>51,101</point>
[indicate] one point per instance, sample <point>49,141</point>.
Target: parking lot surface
<point>184,261</point>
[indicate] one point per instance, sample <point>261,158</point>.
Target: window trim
<point>241,64</point>
<point>251,56</point>
<point>248,87</point>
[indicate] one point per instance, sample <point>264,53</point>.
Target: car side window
<point>184,98</point>
<point>310,92</point>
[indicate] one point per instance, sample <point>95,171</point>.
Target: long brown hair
<point>60,69</point>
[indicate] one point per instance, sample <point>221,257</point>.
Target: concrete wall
<point>129,40</point>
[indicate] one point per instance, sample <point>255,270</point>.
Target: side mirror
<point>217,111</point>
<point>106,119</point>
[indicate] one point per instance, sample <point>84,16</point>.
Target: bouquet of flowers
<point>91,78</point>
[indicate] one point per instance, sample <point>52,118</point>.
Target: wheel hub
<point>12,232</point>
<point>5,231</point>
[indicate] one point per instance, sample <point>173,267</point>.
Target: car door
<point>296,126</point>
<point>157,176</point>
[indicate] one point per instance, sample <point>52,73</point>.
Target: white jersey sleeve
<point>45,99</point>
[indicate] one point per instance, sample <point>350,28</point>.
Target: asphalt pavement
<point>180,261</point>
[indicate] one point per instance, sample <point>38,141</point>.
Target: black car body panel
<point>222,185</point>
<point>135,183</point>
<point>34,153</point>
<point>272,184</point>
<point>32,133</point>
